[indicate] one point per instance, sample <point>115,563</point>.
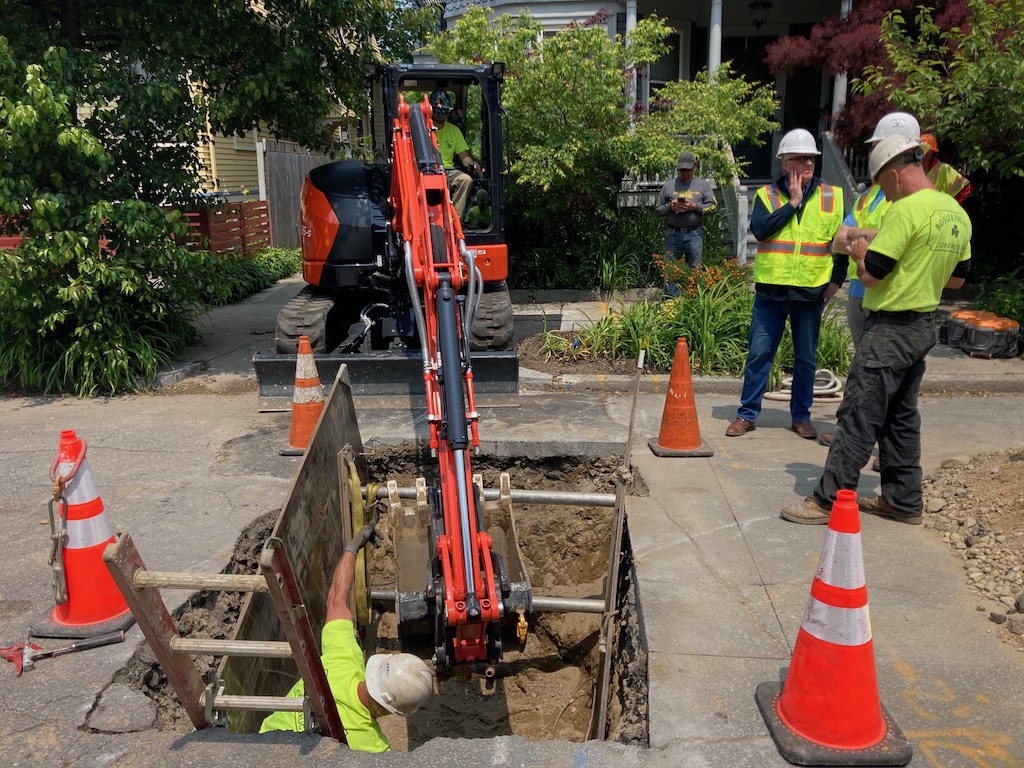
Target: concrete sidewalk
<point>722,580</point>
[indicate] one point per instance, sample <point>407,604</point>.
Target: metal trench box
<point>312,527</point>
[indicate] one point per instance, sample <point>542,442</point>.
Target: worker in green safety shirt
<point>452,144</point>
<point>397,683</point>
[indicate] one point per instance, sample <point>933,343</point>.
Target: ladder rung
<point>256,703</point>
<point>200,646</point>
<point>227,582</point>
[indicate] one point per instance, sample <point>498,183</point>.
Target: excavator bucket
<point>417,572</point>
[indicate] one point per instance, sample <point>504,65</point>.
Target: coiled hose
<point>827,387</point>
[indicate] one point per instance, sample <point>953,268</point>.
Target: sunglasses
<point>802,159</point>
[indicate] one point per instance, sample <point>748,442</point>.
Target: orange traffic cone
<point>87,601</point>
<point>680,432</point>
<point>828,711</point>
<point>307,402</point>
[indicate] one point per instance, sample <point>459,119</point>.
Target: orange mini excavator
<point>355,307</point>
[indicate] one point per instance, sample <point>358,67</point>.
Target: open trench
<point>543,690</point>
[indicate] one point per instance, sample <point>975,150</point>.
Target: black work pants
<point>880,405</point>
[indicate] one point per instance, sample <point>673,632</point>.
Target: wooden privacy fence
<point>287,166</point>
<point>242,228</point>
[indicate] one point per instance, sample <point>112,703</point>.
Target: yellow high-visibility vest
<point>798,254</point>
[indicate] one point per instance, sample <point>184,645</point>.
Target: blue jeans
<point>686,244</point>
<point>766,327</point>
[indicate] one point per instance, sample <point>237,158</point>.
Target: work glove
<point>365,534</point>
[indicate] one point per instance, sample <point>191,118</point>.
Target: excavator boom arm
<point>443,280</point>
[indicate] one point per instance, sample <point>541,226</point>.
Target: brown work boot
<point>882,508</point>
<point>740,426</point>
<point>825,438</point>
<point>876,465</point>
<point>805,429</point>
<point>807,512</point>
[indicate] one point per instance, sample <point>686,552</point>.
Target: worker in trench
<point>397,683</point>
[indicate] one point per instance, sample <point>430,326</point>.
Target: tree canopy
<point>852,44</point>
<point>563,92</point>
<point>965,82</point>
<point>102,106</point>
<point>573,134</point>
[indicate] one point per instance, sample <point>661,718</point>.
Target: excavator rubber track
<point>305,315</point>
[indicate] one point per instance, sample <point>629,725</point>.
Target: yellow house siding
<point>207,166</point>
<point>229,165</point>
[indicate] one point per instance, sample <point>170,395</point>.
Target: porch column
<point>631,78</point>
<point>839,85</point>
<point>715,38</point>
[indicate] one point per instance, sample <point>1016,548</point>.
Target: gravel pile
<point>977,506</point>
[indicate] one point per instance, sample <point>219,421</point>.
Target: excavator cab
<point>475,94</point>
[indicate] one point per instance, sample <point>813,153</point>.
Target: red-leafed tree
<point>851,45</point>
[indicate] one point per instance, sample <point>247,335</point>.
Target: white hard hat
<point>399,682</point>
<point>797,142</point>
<point>889,149</point>
<point>896,124</point>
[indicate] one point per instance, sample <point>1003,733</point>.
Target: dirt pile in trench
<point>544,690</point>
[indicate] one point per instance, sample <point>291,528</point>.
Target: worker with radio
<point>396,683</point>
<point>451,143</point>
<point>795,276</point>
<point>923,245</point>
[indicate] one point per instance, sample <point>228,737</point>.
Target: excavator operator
<point>396,683</point>
<point>452,144</point>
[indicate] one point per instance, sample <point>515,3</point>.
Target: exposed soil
<point>208,614</point>
<point>976,504</point>
<point>545,689</point>
<point>533,357</point>
<point>541,691</point>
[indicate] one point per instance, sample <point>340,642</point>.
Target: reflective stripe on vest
<point>946,179</point>
<point>828,198</point>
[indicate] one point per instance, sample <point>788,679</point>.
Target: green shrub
<point>95,337</point>
<point>238,277</point>
<point>1004,296</point>
<point>713,315</point>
